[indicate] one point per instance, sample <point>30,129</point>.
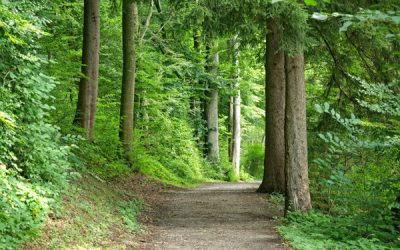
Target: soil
<point>214,216</point>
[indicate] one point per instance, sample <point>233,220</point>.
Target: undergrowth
<point>316,230</point>
<point>129,211</point>
<point>94,214</point>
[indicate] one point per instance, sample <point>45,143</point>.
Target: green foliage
<point>353,136</point>
<point>253,160</point>
<point>130,211</point>
<point>293,19</point>
<point>23,208</point>
<point>34,156</point>
<point>319,231</point>
<point>277,199</point>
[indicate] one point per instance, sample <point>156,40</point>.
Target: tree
<point>129,33</point>
<point>274,162</point>
<point>211,107</point>
<point>235,108</point>
<point>296,155</point>
<point>86,106</point>
<point>296,160</point>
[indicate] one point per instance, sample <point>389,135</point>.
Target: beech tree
<point>234,110</point>
<point>211,106</point>
<point>129,33</point>
<point>86,106</point>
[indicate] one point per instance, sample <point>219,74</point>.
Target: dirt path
<point>215,216</point>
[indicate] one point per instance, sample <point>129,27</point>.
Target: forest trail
<point>215,216</point>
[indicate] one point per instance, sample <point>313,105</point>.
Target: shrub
<point>22,210</point>
<point>253,160</point>
<point>320,231</point>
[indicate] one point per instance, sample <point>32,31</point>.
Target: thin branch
<point>158,5</point>
<point>147,23</point>
<point>361,54</point>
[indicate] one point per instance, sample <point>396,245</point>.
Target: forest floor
<point>214,216</point>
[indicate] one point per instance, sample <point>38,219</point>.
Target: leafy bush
<point>22,210</point>
<point>253,160</point>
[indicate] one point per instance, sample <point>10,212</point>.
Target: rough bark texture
<point>129,33</point>
<point>86,106</point>
<point>274,162</point>
<point>236,133</point>
<point>211,111</point>
<point>297,183</point>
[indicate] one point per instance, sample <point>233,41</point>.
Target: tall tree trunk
<point>274,162</point>
<point>129,33</point>
<point>236,132</point>
<point>296,162</point>
<point>86,106</point>
<point>196,100</point>
<point>230,127</point>
<point>211,112</point>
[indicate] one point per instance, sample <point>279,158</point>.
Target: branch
<point>158,5</point>
<point>147,23</point>
<point>361,54</point>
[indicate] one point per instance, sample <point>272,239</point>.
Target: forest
<point>202,124</point>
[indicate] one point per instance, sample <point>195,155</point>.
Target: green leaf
<point>319,109</point>
<point>310,2</point>
<point>396,19</point>
<point>345,26</point>
<point>319,16</point>
<point>326,107</point>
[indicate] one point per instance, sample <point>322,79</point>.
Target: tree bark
<point>196,100</point>
<point>230,127</point>
<point>129,33</point>
<point>236,100</point>
<point>296,161</point>
<point>211,111</point>
<point>86,106</point>
<point>274,162</point>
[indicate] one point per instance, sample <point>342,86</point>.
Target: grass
<point>94,215</point>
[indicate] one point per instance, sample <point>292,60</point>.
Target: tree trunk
<point>86,106</point>
<point>236,133</point>
<point>211,111</point>
<point>274,162</point>
<point>296,162</point>
<point>129,33</point>
<point>196,100</point>
<point>230,127</point>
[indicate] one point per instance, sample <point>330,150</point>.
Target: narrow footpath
<point>215,216</point>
